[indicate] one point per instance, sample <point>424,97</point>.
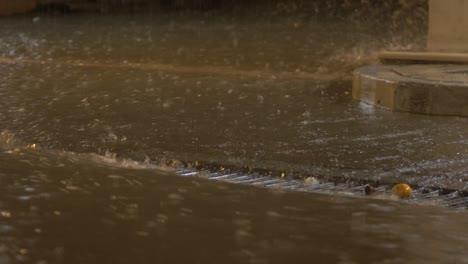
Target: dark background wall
<point>336,8</point>
<point>400,14</point>
<point>328,7</point>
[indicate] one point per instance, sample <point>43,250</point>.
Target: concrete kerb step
<point>435,89</point>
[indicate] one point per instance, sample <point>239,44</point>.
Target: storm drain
<point>423,195</point>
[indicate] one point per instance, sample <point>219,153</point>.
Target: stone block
<point>423,89</point>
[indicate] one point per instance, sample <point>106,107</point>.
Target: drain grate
<point>423,195</point>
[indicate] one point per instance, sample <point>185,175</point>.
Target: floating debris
<point>311,181</point>
<point>402,190</point>
<point>368,190</point>
<point>5,214</point>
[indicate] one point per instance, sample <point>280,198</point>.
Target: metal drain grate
<point>448,198</point>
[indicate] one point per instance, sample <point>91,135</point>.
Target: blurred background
<point>400,12</point>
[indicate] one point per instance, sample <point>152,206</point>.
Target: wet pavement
<point>93,108</point>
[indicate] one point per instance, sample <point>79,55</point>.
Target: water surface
<point>92,106</point>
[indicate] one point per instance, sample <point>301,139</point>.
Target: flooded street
<point>92,108</point>
<point>66,209</point>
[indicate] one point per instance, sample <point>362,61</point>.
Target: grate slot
<point>426,196</point>
<point>461,201</point>
<point>223,176</point>
<point>319,187</point>
<point>266,182</point>
<point>295,186</point>
<point>254,180</point>
<point>240,178</point>
<point>281,184</point>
